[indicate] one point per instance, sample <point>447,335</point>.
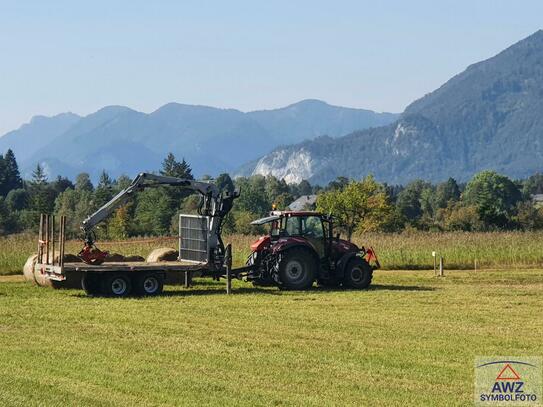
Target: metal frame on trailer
<point>46,263</point>
<point>196,236</point>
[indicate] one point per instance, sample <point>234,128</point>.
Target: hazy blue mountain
<point>488,117</point>
<point>312,118</point>
<point>121,140</point>
<point>39,132</point>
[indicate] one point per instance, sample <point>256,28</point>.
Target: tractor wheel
<point>149,284</point>
<point>297,269</point>
<point>116,285</point>
<point>358,274</point>
<point>91,284</point>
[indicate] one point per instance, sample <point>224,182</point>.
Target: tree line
<point>489,201</point>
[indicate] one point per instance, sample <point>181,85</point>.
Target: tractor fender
<point>289,243</point>
<point>298,244</point>
<point>342,263</point>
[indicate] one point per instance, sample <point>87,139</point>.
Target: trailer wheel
<point>149,284</point>
<point>358,274</point>
<point>297,269</point>
<point>91,284</point>
<point>117,285</point>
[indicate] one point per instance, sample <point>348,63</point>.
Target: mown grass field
<point>396,251</point>
<point>410,340</point>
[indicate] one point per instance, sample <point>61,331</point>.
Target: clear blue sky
<point>58,56</point>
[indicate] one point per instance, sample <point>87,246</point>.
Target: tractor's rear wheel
<point>297,269</point>
<point>358,274</point>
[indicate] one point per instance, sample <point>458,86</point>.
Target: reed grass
<point>407,250</point>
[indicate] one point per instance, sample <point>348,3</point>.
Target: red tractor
<point>301,249</point>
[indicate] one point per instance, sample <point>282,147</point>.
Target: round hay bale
<point>73,279</point>
<point>134,258</point>
<point>114,257</point>
<point>40,279</point>
<point>162,254</point>
<point>28,269</point>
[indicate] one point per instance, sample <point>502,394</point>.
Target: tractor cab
<point>313,227</point>
<point>301,248</point>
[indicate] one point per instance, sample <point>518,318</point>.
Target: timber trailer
<point>201,249</point>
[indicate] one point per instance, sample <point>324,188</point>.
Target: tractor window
<point>292,225</point>
<point>312,226</point>
<point>275,228</point>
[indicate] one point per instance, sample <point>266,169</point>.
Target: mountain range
<point>124,141</point>
<point>488,117</point>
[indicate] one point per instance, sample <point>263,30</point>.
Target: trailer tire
<point>358,274</point>
<point>297,269</point>
<point>117,285</point>
<point>91,284</point>
<point>149,284</point>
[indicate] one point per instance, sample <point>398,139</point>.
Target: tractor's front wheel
<point>358,274</point>
<point>297,269</point>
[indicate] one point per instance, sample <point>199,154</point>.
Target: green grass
<point>408,341</point>
<point>395,251</point>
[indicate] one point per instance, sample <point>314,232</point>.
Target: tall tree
<point>42,196</point>
<point>173,168</point>
<point>3,177</point>
<point>38,175</point>
<point>154,212</point>
<point>61,184</point>
<point>409,201</point>
<point>359,205</point>
<point>102,194</point>
<point>83,182</point>
<point>495,197</point>
<point>13,177</point>
<point>446,192</point>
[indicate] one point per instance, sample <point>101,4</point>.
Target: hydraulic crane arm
<point>209,191</point>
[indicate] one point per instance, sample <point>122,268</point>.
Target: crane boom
<point>215,206</point>
<point>209,191</point>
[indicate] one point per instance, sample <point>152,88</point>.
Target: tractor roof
<point>275,215</point>
<point>296,213</point>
